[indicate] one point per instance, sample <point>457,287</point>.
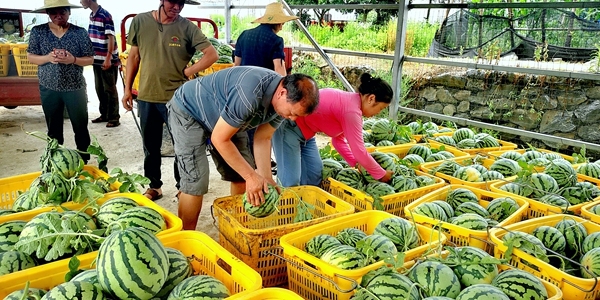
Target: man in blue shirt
<point>214,112</point>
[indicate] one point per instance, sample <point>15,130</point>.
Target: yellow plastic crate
<point>4,59</point>
<point>496,154</point>
<point>253,240</point>
<point>214,68</point>
<point>206,255</point>
<point>572,287</point>
<point>24,67</point>
<point>11,187</point>
<point>174,223</point>
<point>504,145</point>
<point>463,161</point>
<point>536,208</point>
<point>267,294</point>
<point>136,82</point>
<point>402,150</point>
<point>393,203</point>
<point>460,236</point>
<point>314,279</point>
<point>586,212</point>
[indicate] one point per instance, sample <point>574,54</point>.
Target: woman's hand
<point>67,59</point>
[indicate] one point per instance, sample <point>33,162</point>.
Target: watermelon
<point>28,200</point>
<point>531,154</point>
<point>368,123</point>
<point>574,233</point>
<point>384,143</point>
<point>467,144</point>
<point>90,276</point>
<point>401,183</point>
<point>423,180</point>
<point>589,169</point>
<point>132,263</point>
<point>420,150</point>
<point>435,278</point>
<point>458,196</point>
<point>6,212</point>
<point>32,294</point>
<point>389,286</point>
<point>491,175</point>
<point>78,220</point>
<point>539,162</point>
<point>376,247</point>
<point>351,177</point>
<point>110,210</point>
<point>9,234</point>
<point>506,167</point>
<point>265,209</point>
<point>482,292</point>
<point>471,207</point>
<point>446,207</point>
<point>512,155</point>
<point>402,232</point>
<point>462,134</point>
<point>413,159</point>
<point>431,210</point>
<point>140,216</point>
<point>542,184</point>
<point>330,168</point>
<point>517,188</point>
<point>563,172</point>
<point>468,266</point>
<point>595,209</point>
<point>519,284</point>
<point>383,129</point>
<point>590,264</point>
<point>551,237</point>
<point>437,156</point>
<point>344,257</point>
<point>444,139</point>
<point>446,154</point>
<point>485,140</point>
<point>318,244</point>
<point>179,269</point>
<point>64,161</point>
<point>552,156</point>
<point>52,188</point>
<point>75,290</point>
<point>349,236</point>
<point>501,208</point>
<point>555,200</point>
<point>12,261</point>
<point>200,287</point>
<point>526,243</point>
<point>471,221</point>
<point>468,173</point>
<point>379,189</point>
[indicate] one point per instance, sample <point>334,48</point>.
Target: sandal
<point>99,120</point>
<point>113,123</point>
<point>153,194</point>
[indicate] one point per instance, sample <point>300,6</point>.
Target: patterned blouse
<point>61,77</point>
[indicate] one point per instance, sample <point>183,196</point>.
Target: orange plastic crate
<point>206,255</point>
<point>314,279</point>
<point>572,287</point>
<point>255,240</point>
<point>457,235</point>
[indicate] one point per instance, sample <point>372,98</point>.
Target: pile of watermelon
<point>462,207</point>
<point>352,248</point>
<point>465,138</point>
<point>557,185</point>
<point>466,273</point>
<point>133,264</point>
<point>383,132</point>
<point>473,170</point>
<point>55,235</point>
<point>591,169</point>
<point>533,157</point>
<point>568,238</point>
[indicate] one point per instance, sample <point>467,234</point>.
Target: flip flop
<point>113,123</point>
<point>99,120</point>
<point>152,194</point>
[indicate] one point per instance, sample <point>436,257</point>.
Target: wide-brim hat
<point>53,4</point>
<point>192,2</point>
<point>274,15</point>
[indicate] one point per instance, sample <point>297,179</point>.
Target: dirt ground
<point>20,152</point>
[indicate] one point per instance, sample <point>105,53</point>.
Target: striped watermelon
<point>384,160</point>
<point>595,209</point>
<point>590,264</point>
<point>471,221</point>
<point>446,207</point>
<point>80,220</point>
<point>532,154</point>
<point>383,129</point>
<point>469,268</point>
<point>376,247</point>
<point>179,269</point>
<point>519,284</point>
<point>502,208</point>
<point>65,161</point>
<point>551,237</point>
<point>438,156</point>
<point>471,207</point>
<point>446,154</point>
<point>384,143</point>
<point>28,200</point>
<point>318,244</point>
<point>379,189</point>
<point>491,175</point>
<point>368,123</point>
<point>132,263</point>
<point>402,183</point>
<point>402,232</point>
<point>344,257</point>
<point>445,139</point>
<point>6,212</point>
<point>555,200</point>
<point>388,286</point>
<point>517,188</point>
<point>574,233</point>
<point>431,210</point>
<point>552,156</point>
<point>542,184</point>
<point>351,177</point>
<point>12,261</point>
<point>458,196</point>
<point>413,160</point>
<point>330,168</point>
<point>110,210</point>
<point>539,162</point>
<point>506,167</point>
<point>90,276</point>
<point>591,241</point>
<point>563,172</point>
<point>423,180</point>
<point>53,188</point>
<point>75,290</point>
<point>512,155</point>
<point>581,192</point>
<point>468,173</point>
<point>462,134</point>
<point>350,236</point>
<point>467,144</point>
<point>9,234</point>
<point>200,287</point>
<point>420,150</point>
<point>532,245</point>
<point>435,278</point>
<point>485,140</point>
<point>265,209</point>
<point>446,167</point>
<point>32,294</point>
<point>482,292</point>
<point>589,169</point>
<point>140,216</point>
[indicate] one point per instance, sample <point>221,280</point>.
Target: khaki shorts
<point>191,141</point>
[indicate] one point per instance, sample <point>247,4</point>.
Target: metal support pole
<point>333,67</point>
<point>399,57</point>
<point>228,21</point>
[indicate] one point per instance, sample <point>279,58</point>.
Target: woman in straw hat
<point>61,50</point>
<point>262,47</point>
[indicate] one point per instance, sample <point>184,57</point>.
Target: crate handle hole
<point>224,265</point>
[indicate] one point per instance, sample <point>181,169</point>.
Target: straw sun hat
<point>274,15</point>
<point>53,4</point>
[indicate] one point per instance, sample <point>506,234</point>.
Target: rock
<point>593,93</point>
<point>557,121</point>
<point>428,93</point>
<point>444,96</point>
<point>544,102</point>
<point>435,108</point>
<point>463,106</point>
<point>462,95</point>
<point>450,80</point>
<point>449,110</point>
<point>590,133</point>
<point>589,114</point>
<point>525,119</point>
<point>571,99</point>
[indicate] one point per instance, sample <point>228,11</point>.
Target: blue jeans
<point>298,159</point>
<point>153,116</point>
<point>54,104</point>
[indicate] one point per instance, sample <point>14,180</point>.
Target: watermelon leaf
<point>95,149</point>
<point>73,268</point>
<point>128,181</point>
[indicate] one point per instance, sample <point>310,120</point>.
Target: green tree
<point>383,15</point>
<point>319,13</point>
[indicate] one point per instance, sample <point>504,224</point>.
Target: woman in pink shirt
<point>340,116</point>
